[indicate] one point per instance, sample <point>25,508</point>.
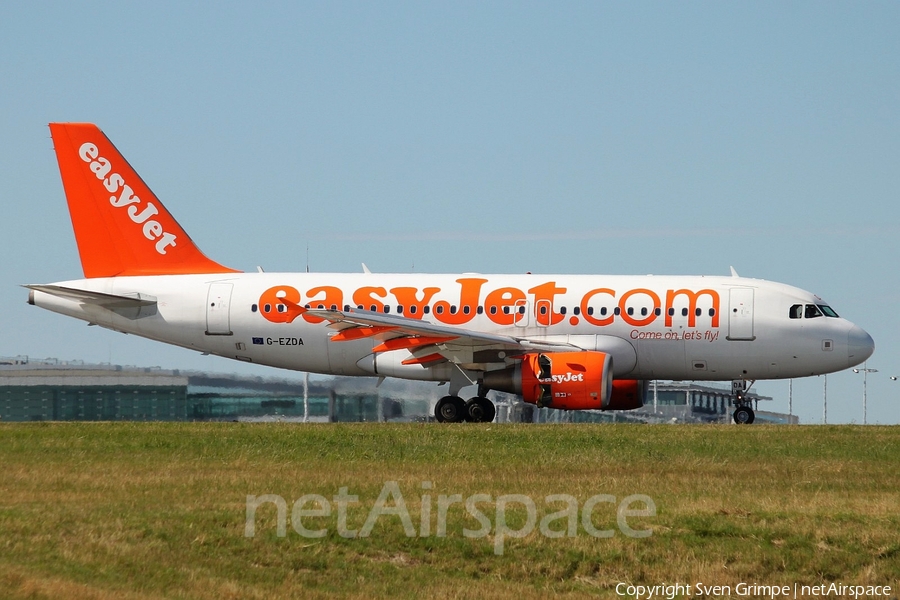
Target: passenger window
<point>603,310</point>
<point>494,310</point>
<point>439,310</point>
<point>426,309</point>
<point>466,309</point>
<point>712,312</point>
<point>480,309</point>
<point>684,312</point>
<point>812,311</point>
<point>576,311</point>
<point>399,309</point>
<point>412,310</point>
<point>796,311</point>
<point>253,308</point>
<point>562,310</point>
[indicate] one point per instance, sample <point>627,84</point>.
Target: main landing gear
<point>453,409</point>
<point>743,408</point>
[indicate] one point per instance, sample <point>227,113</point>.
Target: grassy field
<point>159,510</point>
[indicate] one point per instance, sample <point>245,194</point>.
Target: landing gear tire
<point>480,410</point>
<point>743,415</point>
<point>450,409</point>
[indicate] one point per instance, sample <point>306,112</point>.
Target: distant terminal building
<point>704,402</point>
<point>675,402</point>
<point>53,390</point>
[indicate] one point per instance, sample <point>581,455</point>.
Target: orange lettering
<point>363,297</point>
<point>585,306</point>
<point>638,322</point>
<point>334,298</point>
<point>499,299</point>
<point>470,291</point>
<point>407,297</point>
<point>280,304</point>
<point>692,305</point>
<point>543,302</point>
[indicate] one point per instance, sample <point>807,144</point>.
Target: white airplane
<point>563,341</point>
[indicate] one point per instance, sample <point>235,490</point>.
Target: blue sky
<point>666,138</point>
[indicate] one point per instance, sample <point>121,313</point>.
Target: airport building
<point>53,390</point>
<point>675,402</point>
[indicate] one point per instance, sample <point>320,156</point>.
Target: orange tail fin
<point>121,227</point>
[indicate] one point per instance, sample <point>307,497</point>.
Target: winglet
<point>120,226</point>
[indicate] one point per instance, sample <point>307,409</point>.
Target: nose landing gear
<point>743,411</point>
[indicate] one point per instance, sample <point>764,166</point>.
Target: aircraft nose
<point>860,345</point>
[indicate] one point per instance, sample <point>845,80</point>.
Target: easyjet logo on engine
<point>560,378</point>
<point>115,183</point>
<point>541,305</point>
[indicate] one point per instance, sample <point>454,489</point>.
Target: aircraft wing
<point>429,343</point>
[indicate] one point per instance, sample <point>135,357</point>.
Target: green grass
<point>157,510</point>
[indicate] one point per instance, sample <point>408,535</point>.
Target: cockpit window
<point>812,311</point>
<point>829,312</point>
<point>796,311</point>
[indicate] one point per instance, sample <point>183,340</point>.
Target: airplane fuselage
<point>655,327</point>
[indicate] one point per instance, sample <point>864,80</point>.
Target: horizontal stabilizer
<point>110,301</point>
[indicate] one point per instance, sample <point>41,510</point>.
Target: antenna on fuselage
<point>733,272</point>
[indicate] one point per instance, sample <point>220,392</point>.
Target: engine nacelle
<point>570,381</point>
<point>567,380</point>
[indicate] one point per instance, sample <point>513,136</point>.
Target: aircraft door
<point>521,313</point>
<point>740,314</point>
<point>218,309</point>
<point>543,312</point>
